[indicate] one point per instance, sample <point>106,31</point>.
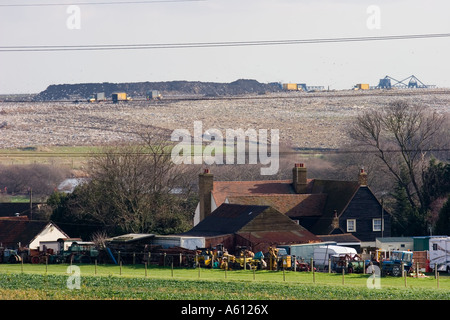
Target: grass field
<point>52,282</point>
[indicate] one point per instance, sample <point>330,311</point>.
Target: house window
<point>376,224</point>
<point>351,225</point>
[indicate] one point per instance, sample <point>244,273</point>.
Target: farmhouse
<point>324,207</point>
<point>252,226</point>
<point>19,231</point>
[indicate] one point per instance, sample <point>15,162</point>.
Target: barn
<point>257,227</point>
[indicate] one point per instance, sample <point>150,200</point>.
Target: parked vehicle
<point>323,254</point>
<point>154,95</point>
<point>393,265</point>
<point>120,96</point>
<point>440,253</point>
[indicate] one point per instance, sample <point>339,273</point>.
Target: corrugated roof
<point>131,237</point>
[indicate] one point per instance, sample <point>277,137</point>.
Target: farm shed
<point>21,232</point>
<point>395,243</point>
<point>254,226</point>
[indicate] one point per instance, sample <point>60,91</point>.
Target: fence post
<point>329,265</point>
<point>437,275</point>
<point>172,268</point>
<point>343,275</point>
<point>406,279</point>
<point>145,265</point>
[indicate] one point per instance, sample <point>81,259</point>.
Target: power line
<point>95,3</point>
<point>181,45</point>
<point>281,153</point>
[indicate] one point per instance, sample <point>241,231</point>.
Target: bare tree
<point>135,187</point>
<point>402,137</point>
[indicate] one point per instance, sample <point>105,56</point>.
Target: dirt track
<point>307,122</point>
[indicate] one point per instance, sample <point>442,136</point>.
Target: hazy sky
<point>338,65</point>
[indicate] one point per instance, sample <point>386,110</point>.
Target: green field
<point>36,282</point>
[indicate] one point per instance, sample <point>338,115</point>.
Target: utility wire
<point>95,3</point>
<point>214,44</point>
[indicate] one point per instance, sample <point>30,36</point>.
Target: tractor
<point>397,259</point>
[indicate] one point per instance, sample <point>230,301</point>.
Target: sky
<point>335,65</point>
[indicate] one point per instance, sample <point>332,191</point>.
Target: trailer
<point>100,96</point>
<point>187,242</point>
<point>154,95</point>
<point>304,251</point>
<point>439,250</point>
<point>323,254</point>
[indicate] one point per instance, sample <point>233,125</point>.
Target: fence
<point>187,265</point>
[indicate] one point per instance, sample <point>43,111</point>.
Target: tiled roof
<point>227,219</point>
<point>263,224</point>
<point>13,231</point>
<point>224,189</point>
<point>279,237</point>
<point>322,199</point>
<point>292,205</point>
<point>345,237</point>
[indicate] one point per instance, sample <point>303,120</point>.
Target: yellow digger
<point>278,258</point>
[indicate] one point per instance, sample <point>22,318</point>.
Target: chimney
<point>362,177</point>
<point>205,186</point>
<point>335,221</point>
<point>299,178</point>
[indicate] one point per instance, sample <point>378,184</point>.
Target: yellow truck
<point>362,86</point>
<point>120,96</point>
<point>290,86</point>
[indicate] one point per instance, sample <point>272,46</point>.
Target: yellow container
<point>290,86</point>
<point>363,86</point>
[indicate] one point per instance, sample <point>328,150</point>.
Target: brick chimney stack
<point>299,175</point>
<point>362,177</point>
<point>205,187</point>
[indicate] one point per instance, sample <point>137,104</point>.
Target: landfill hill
<point>139,89</point>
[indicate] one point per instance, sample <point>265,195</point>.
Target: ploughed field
<point>304,120</point>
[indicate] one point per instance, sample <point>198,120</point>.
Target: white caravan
<point>439,251</point>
